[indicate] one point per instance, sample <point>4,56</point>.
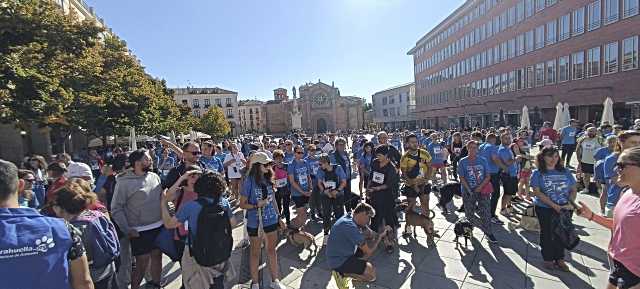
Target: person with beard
<point>416,171</point>
<point>135,208</point>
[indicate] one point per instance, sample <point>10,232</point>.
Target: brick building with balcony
<point>490,56</point>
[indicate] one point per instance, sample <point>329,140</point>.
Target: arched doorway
<point>321,125</point>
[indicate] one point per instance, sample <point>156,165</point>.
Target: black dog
<point>447,191</point>
<point>463,228</point>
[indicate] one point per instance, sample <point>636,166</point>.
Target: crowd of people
<point>105,221</point>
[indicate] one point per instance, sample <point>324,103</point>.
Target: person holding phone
<point>554,188</point>
<point>624,248</point>
<point>234,162</point>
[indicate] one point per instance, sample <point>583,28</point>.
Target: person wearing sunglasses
<point>626,140</point>
<point>624,248</point>
<point>299,173</point>
<point>554,188</point>
<point>263,218</point>
<point>26,196</point>
<point>347,250</point>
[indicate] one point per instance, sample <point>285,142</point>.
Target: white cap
<point>545,143</point>
<point>80,170</point>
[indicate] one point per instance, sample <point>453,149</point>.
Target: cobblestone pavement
<point>515,262</point>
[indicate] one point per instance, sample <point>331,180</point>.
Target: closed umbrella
<point>566,115</point>
<point>133,145</point>
<point>193,135</point>
<point>557,122</point>
<point>172,136</point>
<point>524,120</point>
<point>607,113</point>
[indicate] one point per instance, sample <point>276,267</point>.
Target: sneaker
<point>492,239</point>
<point>275,284</point>
<point>496,221</point>
<point>243,244</point>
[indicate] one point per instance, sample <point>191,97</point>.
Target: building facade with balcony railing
<point>492,56</point>
<point>200,100</point>
<point>251,115</point>
<point>393,108</point>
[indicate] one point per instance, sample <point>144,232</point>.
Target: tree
<point>214,123</point>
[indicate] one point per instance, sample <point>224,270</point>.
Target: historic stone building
<point>251,116</point>
<point>321,106</point>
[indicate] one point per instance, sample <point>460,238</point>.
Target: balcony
<point>219,105</point>
<point>229,115</point>
<point>196,106</point>
<point>207,105</point>
<point>229,105</point>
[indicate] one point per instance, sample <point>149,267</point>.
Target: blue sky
<point>255,46</point>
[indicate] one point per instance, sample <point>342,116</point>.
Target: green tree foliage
<point>57,71</point>
<point>214,123</point>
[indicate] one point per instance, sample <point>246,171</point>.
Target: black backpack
<point>213,241</point>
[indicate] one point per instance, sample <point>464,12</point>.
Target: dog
<point>302,239</point>
<point>415,219</point>
<point>447,191</point>
<point>463,228</point>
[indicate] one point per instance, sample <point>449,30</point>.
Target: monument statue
<point>296,115</point>
<point>294,91</point>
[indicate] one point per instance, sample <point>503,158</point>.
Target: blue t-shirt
<point>212,163</point>
<point>611,176</point>
<point>436,150</point>
<point>188,213</point>
<point>254,193</point>
<point>487,151</point>
<point>568,135</point>
<point>598,172</point>
<point>425,141</point>
<point>397,144</point>
<point>344,239</point>
<point>299,170</point>
<point>345,159</point>
<point>288,157</point>
<point>556,185</point>
<point>474,172</point>
<point>602,153</point>
<point>505,154</point>
<point>330,183</point>
<point>314,164</point>
<point>365,161</point>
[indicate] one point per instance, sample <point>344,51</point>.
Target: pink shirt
<point>624,246</point>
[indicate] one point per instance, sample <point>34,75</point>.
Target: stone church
<point>322,109</point>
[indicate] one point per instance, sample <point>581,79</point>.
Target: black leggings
<point>567,153</point>
<point>495,195</point>
<point>552,249</point>
<point>283,199</point>
<point>329,206</point>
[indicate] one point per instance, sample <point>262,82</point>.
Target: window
<point>552,30</point>
<point>511,47</point>
<point>528,8</point>
<point>610,58</point>
<point>512,80</point>
<point>512,16</point>
<point>611,11</point>
<point>229,112</point>
<point>196,113</point>
<point>496,54</point>
<point>505,82</point>
<point>578,21</point>
<point>539,5</point>
<point>539,74</point>
<point>563,26</point>
<point>490,85</point>
<point>503,21</point>
<point>520,11</point>
<point>496,84</point>
<point>206,102</point>
<point>530,77</point>
<point>392,100</point>
<point>196,102</point>
<point>218,102</point>
<point>595,15</point>
<point>489,29</point>
<point>520,79</point>
<point>520,45</point>
<point>629,8</point>
<point>384,100</point>
<point>184,102</point>
<point>593,62</point>
<point>630,53</point>
<point>551,72</point>
<point>385,112</point>
<point>563,68</point>
<point>489,57</point>
<point>496,25</point>
<point>227,101</point>
<point>551,2</point>
<point>529,41</point>
<point>577,60</point>
<point>503,51</point>
<point>539,37</point>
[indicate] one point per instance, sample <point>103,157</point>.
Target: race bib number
<point>457,150</point>
<point>545,137</point>
<point>95,166</point>
<point>378,178</point>
<point>588,146</point>
<point>330,185</point>
<point>281,183</point>
<point>572,133</point>
<point>436,150</point>
<point>314,169</point>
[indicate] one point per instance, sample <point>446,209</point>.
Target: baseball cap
<point>545,143</point>
<point>80,170</point>
<point>260,158</point>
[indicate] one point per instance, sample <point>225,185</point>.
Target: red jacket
<point>550,133</point>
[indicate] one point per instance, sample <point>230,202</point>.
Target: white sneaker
<point>276,284</point>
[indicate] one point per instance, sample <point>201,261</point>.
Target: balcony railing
<point>229,105</point>
<point>229,115</point>
<point>196,106</point>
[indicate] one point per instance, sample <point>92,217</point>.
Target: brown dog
<point>415,219</point>
<point>302,239</point>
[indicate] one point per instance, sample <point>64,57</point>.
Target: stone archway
<point>321,125</point>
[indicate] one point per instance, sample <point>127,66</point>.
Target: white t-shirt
<point>233,170</point>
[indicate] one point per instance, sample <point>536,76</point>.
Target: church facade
<point>321,109</point>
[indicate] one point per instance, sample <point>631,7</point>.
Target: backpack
<point>415,170</point>
<point>213,242</point>
<point>99,238</point>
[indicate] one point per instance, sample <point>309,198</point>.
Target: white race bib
<point>436,150</point>
<point>545,137</point>
<point>315,170</point>
<point>330,185</point>
<point>378,178</point>
<point>302,179</point>
<point>280,183</point>
<point>457,150</point>
<point>572,133</point>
